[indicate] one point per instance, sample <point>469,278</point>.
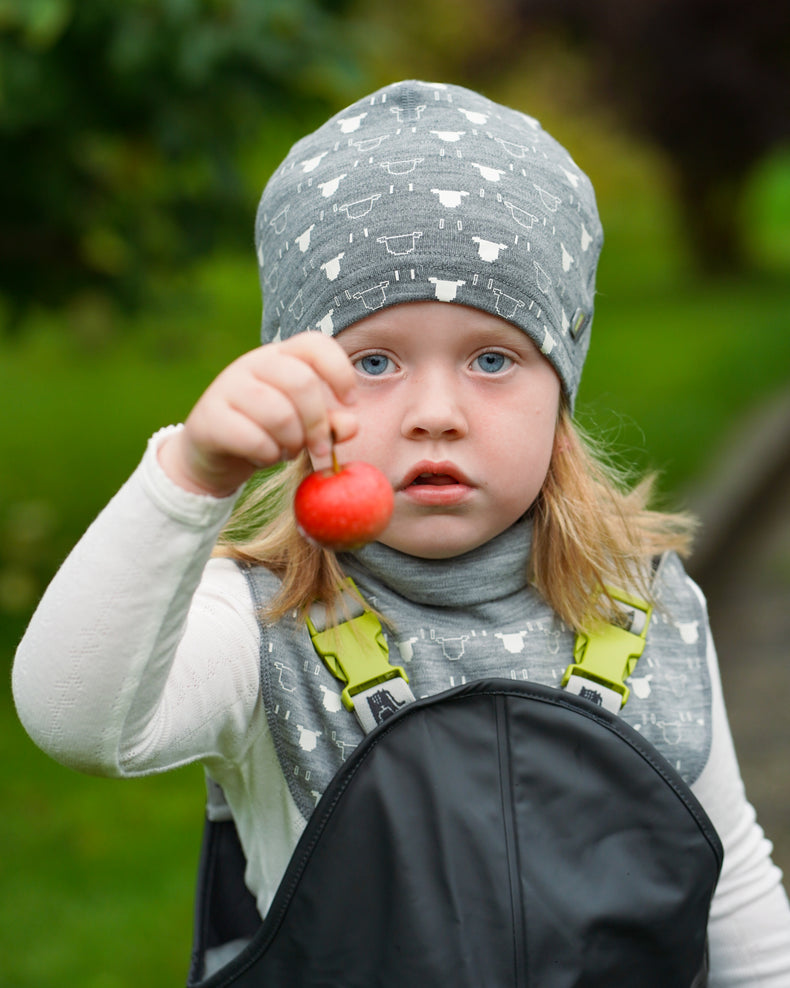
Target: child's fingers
<point>280,409</point>
<point>297,384</point>
<point>265,407</point>
<point>327,358</point>
<point>344,424</point>
<point>275,429</point>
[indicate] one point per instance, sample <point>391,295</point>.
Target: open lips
<point>434,475</point>
<point>436,485</point>
<point>438,479</point>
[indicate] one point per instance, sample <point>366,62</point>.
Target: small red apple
<point>344,507</point>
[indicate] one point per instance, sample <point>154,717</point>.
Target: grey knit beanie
<point>427,191</point>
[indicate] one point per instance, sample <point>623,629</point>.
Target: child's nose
<point>434,409</point>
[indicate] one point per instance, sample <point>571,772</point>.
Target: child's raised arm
<point>96,678</point>
<point>263,408</point>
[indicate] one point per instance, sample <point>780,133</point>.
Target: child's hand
<point>263,408</point>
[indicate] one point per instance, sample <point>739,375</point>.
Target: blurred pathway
<point>744,569</point>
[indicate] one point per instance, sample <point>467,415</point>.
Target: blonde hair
<point>594,529</point>
<point>591,530</point>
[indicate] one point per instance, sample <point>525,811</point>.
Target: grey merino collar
<point>492,571</point>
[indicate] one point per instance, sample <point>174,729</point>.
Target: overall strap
<point>605,658</point>
<point>355,651</point>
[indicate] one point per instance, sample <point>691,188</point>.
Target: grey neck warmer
<point>426,191</point>
<point>453,582</point>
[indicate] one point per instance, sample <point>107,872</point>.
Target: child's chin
<point>435,545</point>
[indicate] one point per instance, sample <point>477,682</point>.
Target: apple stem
<point>333,440</point>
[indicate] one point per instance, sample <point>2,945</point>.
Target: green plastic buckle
<point>356,652</point>
<point>609,656</point>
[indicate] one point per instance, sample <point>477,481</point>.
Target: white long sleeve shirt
<point>144,654</point>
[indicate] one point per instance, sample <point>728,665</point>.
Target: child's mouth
<point>434,474</point>
<point>434,479</point>
<point>437,485</point>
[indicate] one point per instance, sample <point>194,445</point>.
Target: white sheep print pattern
<point>431,192</point>
<point>520,640</point>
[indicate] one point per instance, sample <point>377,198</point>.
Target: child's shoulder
<point>259,582</point>
<point>678,637</point>
<point>674,590</point>
<point>671,690</point>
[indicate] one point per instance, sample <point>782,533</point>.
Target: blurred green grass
<point>97,876</point>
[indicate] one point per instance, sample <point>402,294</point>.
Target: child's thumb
<point>343,423</point>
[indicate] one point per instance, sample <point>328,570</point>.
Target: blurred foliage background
<point>134,141</point>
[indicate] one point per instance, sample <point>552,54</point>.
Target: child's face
<point>458,408</point>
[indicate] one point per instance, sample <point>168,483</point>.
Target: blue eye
<point>374,364</point>
<point>492,362</point>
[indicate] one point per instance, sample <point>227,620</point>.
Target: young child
<point>427,259</point>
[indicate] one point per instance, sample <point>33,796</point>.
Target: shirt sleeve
<point>749,929</point>
<point>140,656</point>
